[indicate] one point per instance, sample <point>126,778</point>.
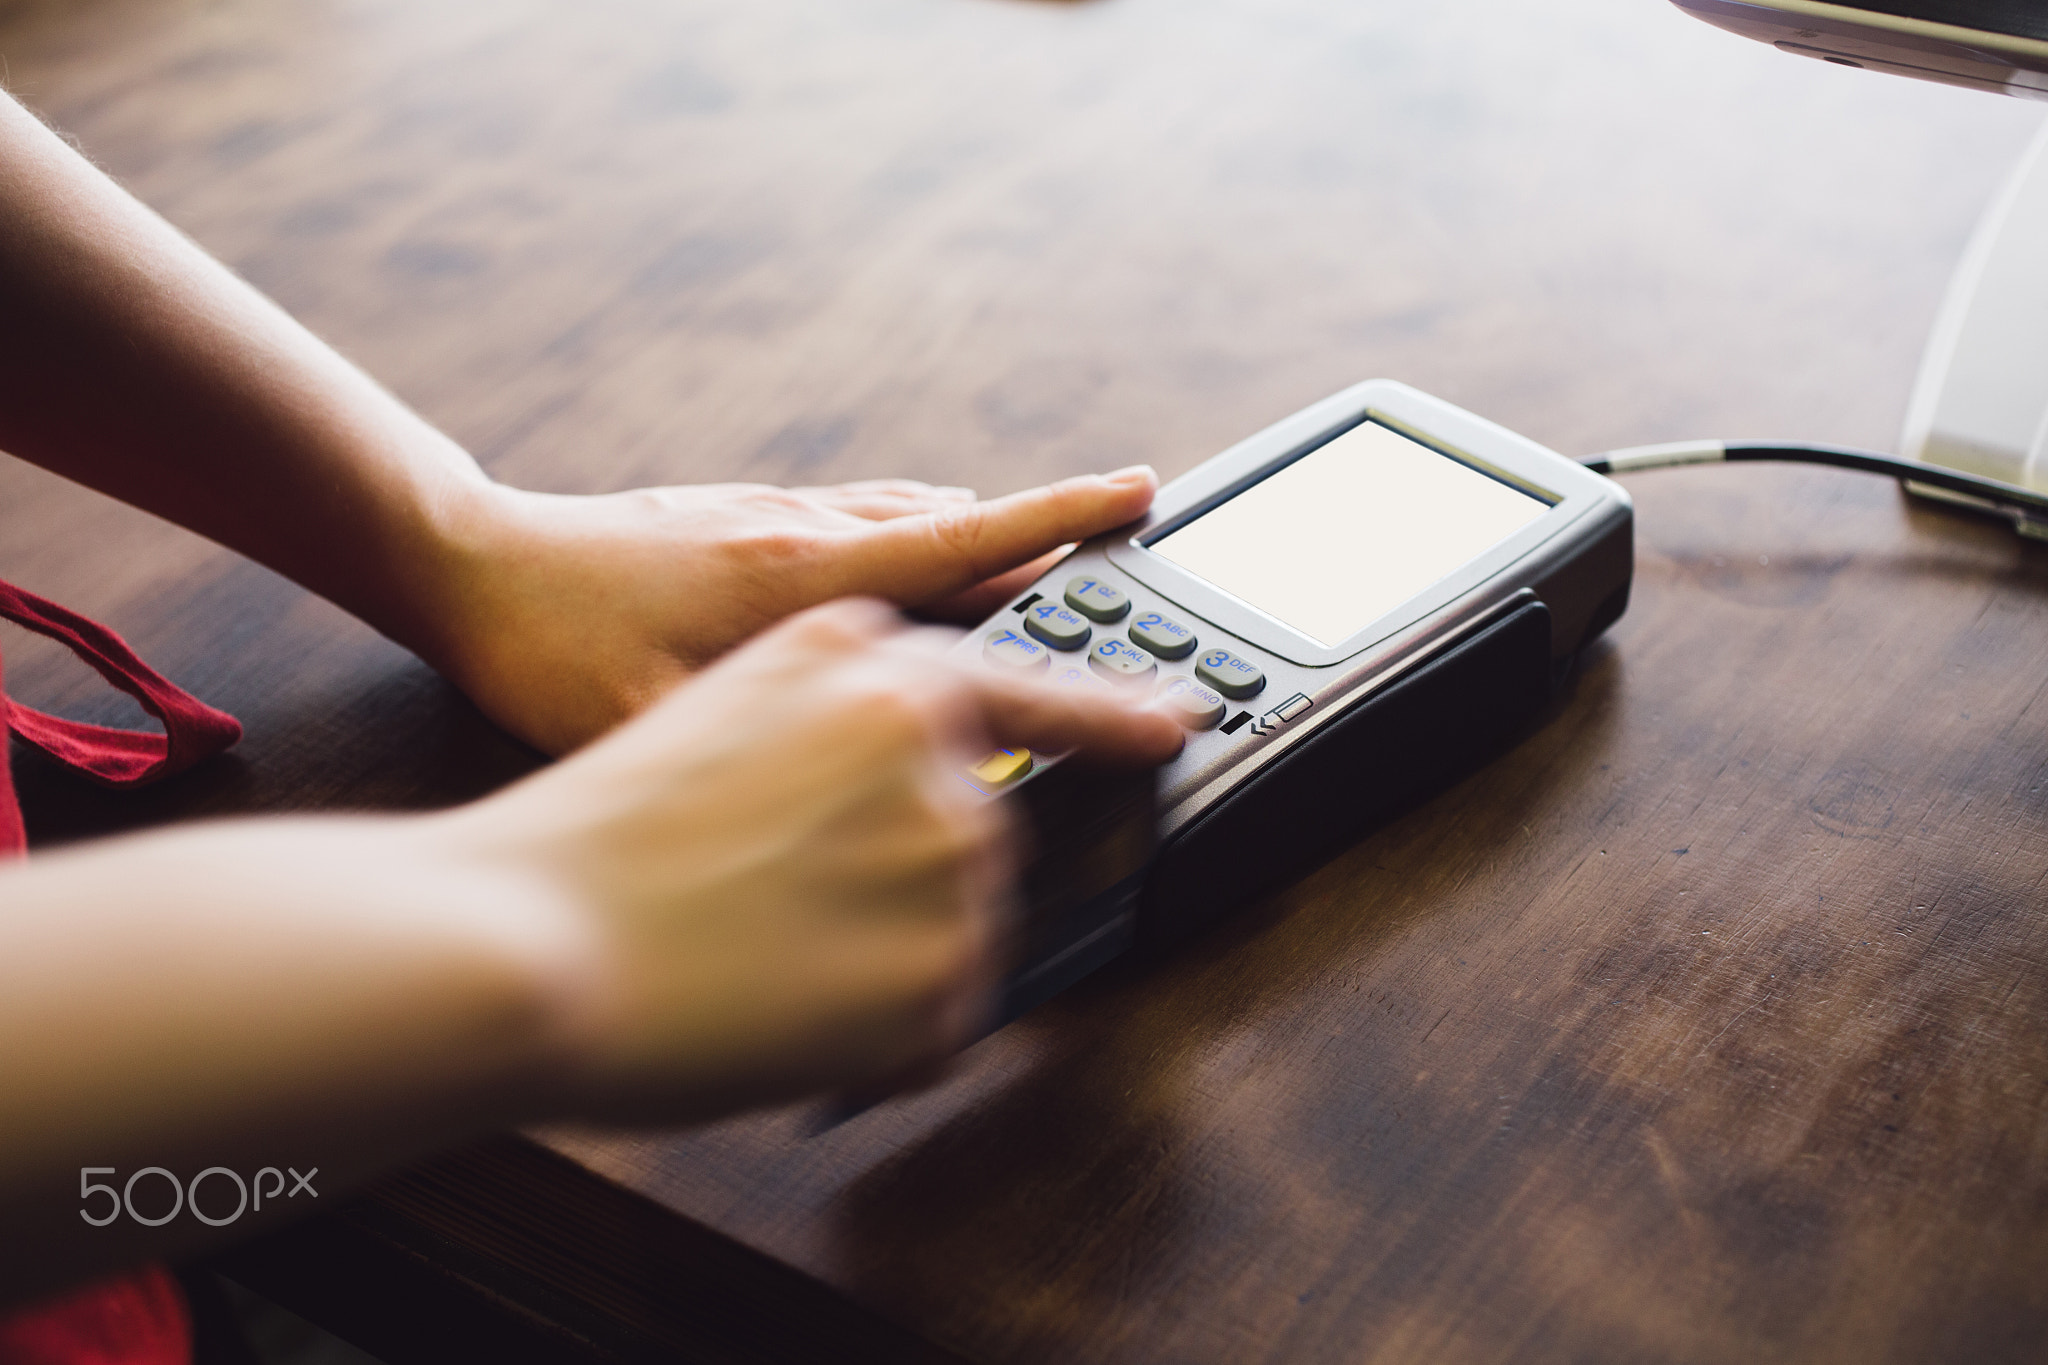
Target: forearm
<point>134,363</point>
<point>335,993</point>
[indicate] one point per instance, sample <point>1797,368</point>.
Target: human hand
<point>770,884</point>
<point>783,883</point>
<point>566,614</point>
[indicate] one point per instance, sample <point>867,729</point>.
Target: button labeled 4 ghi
<point>1281,714</point>
<point>1061,627</point>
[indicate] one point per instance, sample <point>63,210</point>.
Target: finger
<point>967,608</point>
<point>1114,727</point>
<point>922,559</point>
<point>884,499</point>
<point>837,631</point>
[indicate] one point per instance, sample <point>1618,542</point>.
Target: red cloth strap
<point>139,1318</point>
<point>120,758</point>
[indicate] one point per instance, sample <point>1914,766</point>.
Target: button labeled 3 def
<point>1234,677</point>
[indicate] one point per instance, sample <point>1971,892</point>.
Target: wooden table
<point>1711,1023</point>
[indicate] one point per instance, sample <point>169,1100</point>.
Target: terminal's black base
<point>1089,894</point>
<point>1386,753</point>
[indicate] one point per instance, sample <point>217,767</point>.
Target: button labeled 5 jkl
<point>1122,663</point>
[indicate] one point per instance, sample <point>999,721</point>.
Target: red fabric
<point>138,1318</point>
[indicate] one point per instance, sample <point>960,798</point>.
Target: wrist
<point>466,543</point>
<point>541,931</point>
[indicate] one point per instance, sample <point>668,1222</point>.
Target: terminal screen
<point>1343,535</point>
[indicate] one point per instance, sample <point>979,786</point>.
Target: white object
<point>1981,401</point>
<point>1343,536</point>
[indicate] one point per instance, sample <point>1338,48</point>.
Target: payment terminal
<point>1347,611</point>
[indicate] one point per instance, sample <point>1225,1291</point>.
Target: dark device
<point>1347,610</point>
<point>1997,45</point>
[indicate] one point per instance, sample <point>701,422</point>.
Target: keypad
<point>1061,627</point>
<point>1192,704</point>
<point>1162,635</point>
<point>1007,649</point>
<point>1234,677</point>
<point>1122,663</point>
<point>1050,628</point>
<point>1097,600</point>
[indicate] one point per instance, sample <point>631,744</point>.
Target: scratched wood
<point>1710,1023</point>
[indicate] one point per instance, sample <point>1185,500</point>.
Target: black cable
<point>2026,509</point>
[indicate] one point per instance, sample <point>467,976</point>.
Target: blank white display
<point>1349,531</point>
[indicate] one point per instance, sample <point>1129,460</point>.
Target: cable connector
<point>2026,509</point>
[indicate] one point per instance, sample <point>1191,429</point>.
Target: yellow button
<point>1004,765</point>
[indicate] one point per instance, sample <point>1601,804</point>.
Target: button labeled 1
<point>1235,678</point>
<point>1097,600</point>
<point>1122,663</point>
<point>1057,625</point>
<point>1192,704</point>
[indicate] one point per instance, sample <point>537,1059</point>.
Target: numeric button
<point>1006,649</point>
<point>1122,663</point>
<point>1235,678</point>
<point>1097,600</point>
<point>1192,704</point>
<point>1074,675</point>
<point>1163,635</point>
<point>1057,625</point>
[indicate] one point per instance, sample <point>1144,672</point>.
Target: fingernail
<point>954,491</point>
<point>1131,475</point>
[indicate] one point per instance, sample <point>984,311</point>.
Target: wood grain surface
<point>1709,1024</point>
